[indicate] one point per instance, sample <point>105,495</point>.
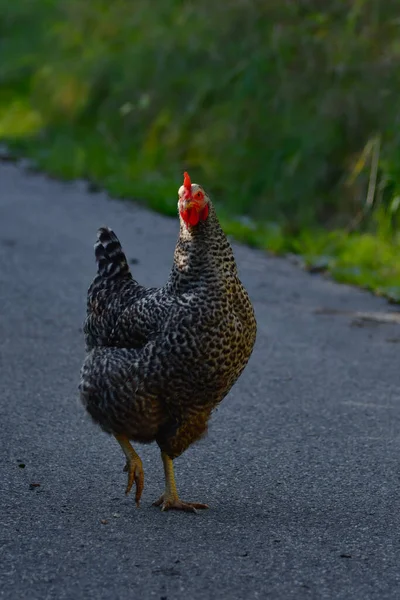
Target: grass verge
<point>287,112</point>
<point>363,259</point>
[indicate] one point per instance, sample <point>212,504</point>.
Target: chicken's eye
<point>198,195</point>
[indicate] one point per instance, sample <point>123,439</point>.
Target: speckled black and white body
<point>160,359</point>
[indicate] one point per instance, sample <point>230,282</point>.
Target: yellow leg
<point>133,466</point>
<point>170,499</point>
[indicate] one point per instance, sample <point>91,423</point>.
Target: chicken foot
<point>133,467</point>
<point>170,499</point>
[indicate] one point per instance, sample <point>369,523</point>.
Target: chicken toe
<point>134,468</point>
<point>170,499</point>
<point>174,503</point>
<point>135,475</point>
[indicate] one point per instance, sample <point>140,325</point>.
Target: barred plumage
<point>160,359</point>
<point>109,255</point>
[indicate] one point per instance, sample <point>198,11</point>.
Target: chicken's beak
<point>188,203</point>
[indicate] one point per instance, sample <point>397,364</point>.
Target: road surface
<point>300,467</point>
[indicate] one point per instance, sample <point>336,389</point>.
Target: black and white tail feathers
<point>109,255</point>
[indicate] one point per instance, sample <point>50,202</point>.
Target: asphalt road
<point>300,468</point>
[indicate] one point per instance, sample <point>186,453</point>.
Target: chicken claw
<point>170,499</point>
<point>177,504</point>
<point>134,468</point>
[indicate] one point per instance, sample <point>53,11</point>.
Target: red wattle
<point>191,216</point>
<point>194,216</point>
<point>204,213</point>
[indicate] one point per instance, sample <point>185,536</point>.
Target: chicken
<point>159,360</point>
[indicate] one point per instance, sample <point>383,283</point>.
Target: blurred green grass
<point>287,111</point>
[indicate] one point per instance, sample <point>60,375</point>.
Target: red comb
<point>187,184</point>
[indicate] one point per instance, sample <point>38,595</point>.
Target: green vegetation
<point>287,111</point>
